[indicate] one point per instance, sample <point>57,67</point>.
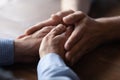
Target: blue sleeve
<point>6,52</point>
<point>52,67</point>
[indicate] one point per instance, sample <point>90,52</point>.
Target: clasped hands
<point>70,34</point>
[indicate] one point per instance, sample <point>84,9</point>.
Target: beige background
<point>17,15</point>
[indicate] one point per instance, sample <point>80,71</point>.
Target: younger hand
<point>88,33</point>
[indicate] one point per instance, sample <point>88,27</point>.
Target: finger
<point>75,36</point>
<point>59,15</point>
<point>74,17</point>
<point>21,36</point>
<point>42,32</point>
<point>70,55</point>
<point>58,30</point>
<point>68,31</point>
<point>45,30</point>
<point>86,47</point>
<point>65,35</point>
<point>49,22</point>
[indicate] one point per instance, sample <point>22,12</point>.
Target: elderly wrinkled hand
<point>54,41</point>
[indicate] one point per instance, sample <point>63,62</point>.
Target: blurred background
<point>18,15</point>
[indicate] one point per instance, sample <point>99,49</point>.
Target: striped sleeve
<point>6,52</point>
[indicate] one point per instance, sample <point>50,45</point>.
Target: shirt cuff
<point>6,51</point>
<point>51,57</point>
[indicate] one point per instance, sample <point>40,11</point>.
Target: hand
<point>53,21</point>
<point>87,35</point>
<point>27,48</point>
<point>54,41</point>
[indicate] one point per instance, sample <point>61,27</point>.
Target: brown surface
<point>24,71</point>
<point>102,64</point>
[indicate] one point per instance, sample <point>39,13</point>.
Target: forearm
<point>82,5</point>
<point>111,27</point>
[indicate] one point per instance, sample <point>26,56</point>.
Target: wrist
<point>111,28</point>
<point>43,53</point>
<point>17,51</point>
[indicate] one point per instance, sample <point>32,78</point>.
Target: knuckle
<point>80,13</point>
<point>54,31</point>
<point>59,13</point>
<point>71,10</point>
<point>47,36</point>
<point>54,16</point>
<point>46,27</point>
<point>65,12</point>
